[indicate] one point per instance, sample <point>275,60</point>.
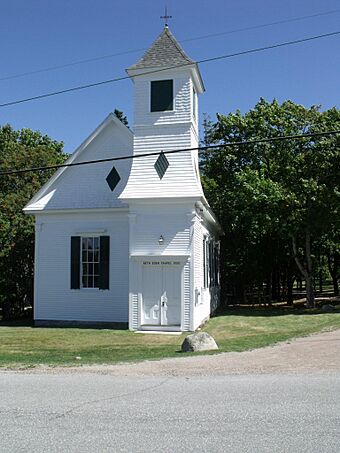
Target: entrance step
<point>159,332</point>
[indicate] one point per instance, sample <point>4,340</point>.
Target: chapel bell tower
<point>166,87</point>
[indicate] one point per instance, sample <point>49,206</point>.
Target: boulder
<point>327,308</point>
<point>200,341</point>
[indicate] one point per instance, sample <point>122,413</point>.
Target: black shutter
<point>75,262</point>
<point>204,264</point>
<point>161,95</point>
<point>104,266</point>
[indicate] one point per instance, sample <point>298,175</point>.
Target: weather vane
<point>166,17</point>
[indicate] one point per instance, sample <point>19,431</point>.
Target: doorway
<point>161,293</point>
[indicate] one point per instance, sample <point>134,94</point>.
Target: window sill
<point>161,111</point>
<point>89,289</point>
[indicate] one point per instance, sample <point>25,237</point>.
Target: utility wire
<point>213,35</point>
<point>68,65</point>
<point>255,27</point>
<point>206,60</point>
<point>173,151</point>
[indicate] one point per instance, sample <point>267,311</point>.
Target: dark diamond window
<point>161,165</point>
<point>113,178</point>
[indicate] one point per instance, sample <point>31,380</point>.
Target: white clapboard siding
<point>170,220</point>
<point>85,186</point>
<point>198,255</point>
<point>201,312</point>
<point>182,100</point>
<point>179,180</point>
<point>145,182</point>
<point>54,300</point>
<point>164,131</point>
<point>207,299</point>
<point>187,298</point>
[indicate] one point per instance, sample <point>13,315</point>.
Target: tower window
<point>162,95</point>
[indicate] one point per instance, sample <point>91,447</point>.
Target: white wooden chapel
<point>132,243</point>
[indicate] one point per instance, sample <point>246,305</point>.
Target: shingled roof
<point>165,51</point>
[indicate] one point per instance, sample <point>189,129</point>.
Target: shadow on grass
<point>22,322</point>
<point>278,310</point>
<point>28,322</point>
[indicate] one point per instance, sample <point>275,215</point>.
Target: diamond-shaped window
<point>113,178</point>
<point>161,165</point>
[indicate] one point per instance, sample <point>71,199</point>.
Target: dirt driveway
<point>316,353</point>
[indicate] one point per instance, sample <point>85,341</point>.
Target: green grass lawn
<point>233,330</point>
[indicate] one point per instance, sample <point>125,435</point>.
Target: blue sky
<point>38,34</point>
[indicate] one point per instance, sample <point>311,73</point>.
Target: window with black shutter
<point>206,262</point>
<point>90,262</point>
<point>75,262</point>
<point>104,268</point>
<point>162,95</point>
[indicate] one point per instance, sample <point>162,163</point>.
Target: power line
<point>213,35</point>
<point>68,65</point>
<point>255,27</point>
<point>173,151</point>
<point>206,60</point>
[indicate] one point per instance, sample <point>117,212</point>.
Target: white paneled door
<point>161,293</point>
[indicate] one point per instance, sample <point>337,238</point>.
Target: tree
<point>120,115</point>
<point>330,247</point>
<point>275,199</point>
<point>20,149</point>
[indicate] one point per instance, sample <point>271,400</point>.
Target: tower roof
<point>165,51</point>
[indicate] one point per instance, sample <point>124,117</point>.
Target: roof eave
<point>198,78</point>
<point>209,216</point>
<point>110,118</point>
<point>192,67</point>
